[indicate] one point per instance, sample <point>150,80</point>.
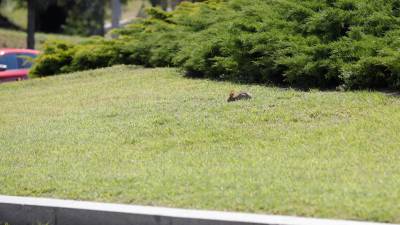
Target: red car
<point>15,63</point>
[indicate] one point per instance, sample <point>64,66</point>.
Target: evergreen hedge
<point>351,44</point>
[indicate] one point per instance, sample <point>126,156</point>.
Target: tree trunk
<point>164,4</point>
<point>31,24</point>
<point>116,13</point>
<point>154,3</point>
<point>100,16</point>
<point>174,3</point>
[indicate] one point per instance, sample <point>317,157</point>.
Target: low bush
<point>56,57</point>
<point>313,43</point>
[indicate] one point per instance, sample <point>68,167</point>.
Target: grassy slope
<point>149,136</point>
<point>17,39</point>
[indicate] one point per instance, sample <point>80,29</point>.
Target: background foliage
<point>349,44</point>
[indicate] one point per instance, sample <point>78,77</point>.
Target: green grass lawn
<point>17,39</point>
<point>152,137</point>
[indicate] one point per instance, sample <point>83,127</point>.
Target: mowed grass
<point>153,137</point>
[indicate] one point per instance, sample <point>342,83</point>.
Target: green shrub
<point>98,54</point>
<point>56,57</point>
<point>313,43</point>
<point>62,57</point>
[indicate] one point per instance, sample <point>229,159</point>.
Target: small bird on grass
<point>240,96</point>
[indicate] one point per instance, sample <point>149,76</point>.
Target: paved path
<point>25,210</point>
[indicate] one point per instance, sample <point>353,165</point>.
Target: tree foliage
<point>83,17</point>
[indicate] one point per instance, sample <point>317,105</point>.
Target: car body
<point>15,63</point>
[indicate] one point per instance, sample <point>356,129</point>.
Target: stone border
<point>26,210</point>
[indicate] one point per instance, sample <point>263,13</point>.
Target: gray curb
<point>26,211</point>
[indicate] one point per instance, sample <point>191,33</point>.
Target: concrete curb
<point>26,210</point>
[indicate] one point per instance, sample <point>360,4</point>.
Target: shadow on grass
<point>279,83</point>
<point>6,23</point>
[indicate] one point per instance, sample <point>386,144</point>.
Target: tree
<point>169,4</point>
<point>116,13</point>
<point>31,24</point>
<point>33,6</point>
<point>81,17</point>
<point>85,17</point>
<point>155,3</point>
<point>164,4</point>
<point>174,3</point>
